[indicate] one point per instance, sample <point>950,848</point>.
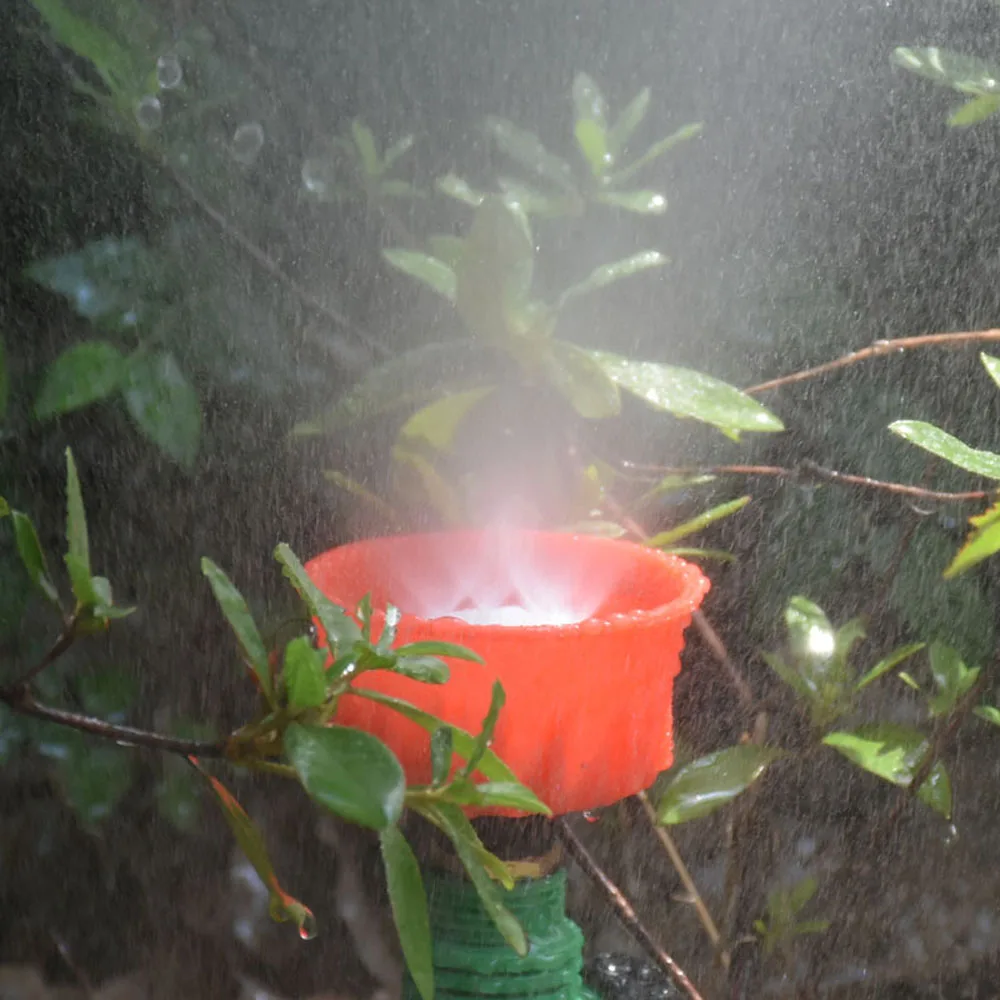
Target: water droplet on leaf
<point>248,140</point>
<point>149,113</point>
<point>168,71</point>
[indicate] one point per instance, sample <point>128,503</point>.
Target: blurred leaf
<point>674,484</point>
<point>982,542</point>
<point>893,753</point>
<point>177,795</point>
<point>282,906</point>
<point>485,737</point>
<point>408,900</point>
<point>942,444</point>
<point>29,548</point>
<point>989,713</point>
<point>655,152</point>
<point>588,101</point>
<point>966,74</point>
<point>499,795</point>
<point>527,149</point>
<point>384,509</point>
<point>305,676</point>
<point>890,662</point>
<point>108,694</point>
<point>688,394</point>
<point>164,405</point>
<point>610,273</point>
<point>437,423</point>
<point>709,783</point>
<point>447,249</point>
<point>439,649</point>
<point>398,189</point>
<point>349,772</point>
<point>393,616</point>
<point>419,477</point>
<point>592,138</point>
<point>397,150</point>
<point>81,375</point>
<point>719,555</point>
<point>426,669</point>
<point>975,111</point>
<point>952,678</point>
<point>455,187</point>
<point>582,381</point>
<point>235,609</point>
<point>451,821</point>
<point>908,680</point>
<point>494,274</point>
<point>432,272</point>
<point>364,142</point>
<point>340,627</point>
<point>699,523</point>
<point>534,202</point>
<point>992,366</point>
<point>783,906</point>
<point>640,202</point>
<point>442,749</point>
<point>95,778</point>
<point>628,121</point>
<point>600,528</point>
<point>490,765</point>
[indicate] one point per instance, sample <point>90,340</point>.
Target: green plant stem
<point>880,349</point>
<point>626,912</point>
<point>24,703</point>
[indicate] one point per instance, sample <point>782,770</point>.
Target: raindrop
<point>248,140</point>
<point>168,71</point>
<point>317,177</point>
<point>951,835</point>
<point>149,113</point>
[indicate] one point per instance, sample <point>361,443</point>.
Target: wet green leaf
<point>442,749</point>
<point>498,794</point>
<point>434,273</point>
<point>628,121</point>
<point>527,149</point>
<point>81,375</point>
<point>305,674</point>
<point>942,444</point>
<point>609,273</point>
<point>709,783</point>
<point>890,662</point>
<point>531,201</point>
<point>485,737</point>
<point>989,713</point>
<point>975,111</point>
<point>640,202</point>
<point>592,138</point>
<point>408,900</point>
<point>655,151</point>
<point>715,555</point>
<point>235,609</point>
<point>966,74</point>
<point>349,772</point>
<point>426,669</point>
<point>982,542</point>
<point>490,765</point>
<point>29,548</point>
<point>340,628</point>
<point>439,649</point>
<point>582,381</point>
<point>951,676</point>
<point>248,836</point>
<point>164,405</point>
<point>455,187</point>
<point>77,541</point>
<point>893,753</point>
<point>696,524</point>
<point>992,366</point>
<point>364,143</point>
<point>588,101</point>
<point>688,394</point>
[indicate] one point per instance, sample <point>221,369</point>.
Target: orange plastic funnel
<point>584,633</point>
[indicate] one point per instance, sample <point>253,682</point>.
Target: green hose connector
<point>471,958</point>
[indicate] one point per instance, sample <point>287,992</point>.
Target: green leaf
<point>94,779</point>
<point>485,737</point>
<point>983,541</point>
<point>397,150</point>
<point>592,138</point>
<point>709,783</point>
<point>992,366</point>
<point>656,151</point>
<point>609,273</point>
<point>434,273</point>
<point>430,648</point>
<point>305,676</point>
<point>235,609</point>
<point>688,394</point>
<point>965,74</point>
<point>942,444</point>
<point>447,249</point>
<point>534,202</point>
<point>582,381</point>
<point>494,274</point>
<point>164,405</point>
<point>455,187</point>
<point>349,772</point>
<point>29,548</point>
<point>426,669</point>
<point>408,900</point>
<point>952,678</point>
<point>341,629</point>
<point>490,765</point>
<point>109,694</point>
<point>177,796</point>
<point>436,424</point>
<point>628,121</point>
<point>588,101</point>
<point>699,523</point>
<point>527,149</point>
<point>344,482</point>
<point>890,662</point>
<point>364,142</point>
<point>473,856</point>
<point>81,375</point>
<point>989,713</point>
<point>77,541</point>
<point>442,749</point>
<point>640,202</point>
<point>975,111</point>
<point>893,753</point>
<point>718,555</point>
<point>498,794</point>
<point>283,907</point>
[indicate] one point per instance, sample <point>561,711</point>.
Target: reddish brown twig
<point>880,349</point>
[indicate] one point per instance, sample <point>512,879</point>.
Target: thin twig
<point>626,912</point>
<point>881,348</point>
<point>807,470</point>
<point>23,702</point>
<point>714,642</point>
<point>686,880</point>
<point>65,639</point>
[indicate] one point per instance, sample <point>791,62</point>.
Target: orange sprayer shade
<point>589,714</point>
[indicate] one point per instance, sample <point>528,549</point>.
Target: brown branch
<point>623,908</point>
<point>808,470</point>
<point>881,348</point>
<point>23,702</point>
<point>65,639</point>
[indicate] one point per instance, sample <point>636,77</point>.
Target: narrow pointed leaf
<point>527,149</point>
<point>890,662</point>
<point>426,669</point>
<point>699,523</point>
<point>459,189</point>
<point>349,772</point>
<point>988,713</point>
<point>983,541</point>
<point>439,649</point>
<point>607,274</point>
<point>77,541</point>
<point>485,737</point>
<point>628,121</point>
<point>32,555</point>
<point>499,794</point>
<point>397,150</point>
<point>640,202</point>
<point>364,142</point>
<point>592,139</point>
<point>442,749</point>
<point>992,366</point>
<point>436,424</point>
<point>655,151</point>
<point>435,274</point>
<point>966,74</point>
<point>942,444</point>
<point>975,111</point>
<point>82,375</point>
